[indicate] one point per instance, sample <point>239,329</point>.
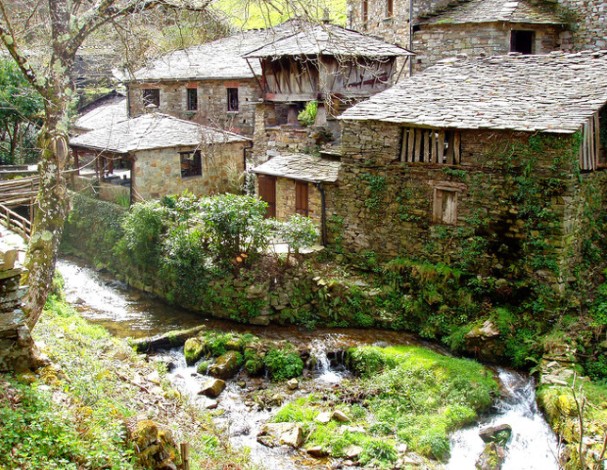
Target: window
<point>522,41</point>
<point>365,10</point>
<point>191,164</point>
<point>301,198</point>
<point>151,97</point>
<point>192,99</point>
<point>389,8</point>
<point>445,206</point>
<point>232,99</point>
<point>430,146</point>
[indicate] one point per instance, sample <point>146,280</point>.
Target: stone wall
<point>157,173</point>
<point>212,102</point>
<point>16,344</point>
<point>285,200</point>
<point>508,199</point>
<point>589,19</point>
<point>436,42</point>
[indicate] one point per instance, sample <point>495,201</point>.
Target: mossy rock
<point>202,367</point>
<point>227,365</point>
<point>155,447</point>
<point>253,362</point>
<point>193,350</point>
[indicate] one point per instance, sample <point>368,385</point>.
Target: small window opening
<point>232,99</point>
<point>151,97</point>
<point>192,99</point>
<point>191,164</point>
<point>389,8</point>
<point>522,41</point>
<point>430,146</point>
<point>445,206</point>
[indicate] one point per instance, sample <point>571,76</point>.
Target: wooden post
<point>185,456</point>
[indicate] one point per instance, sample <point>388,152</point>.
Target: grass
<point>73,414</point>
<point>406,394</point>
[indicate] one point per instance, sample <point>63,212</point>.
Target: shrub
<point>298,232</point>
<point>380,453</point>
<point>308,115</point>
<point>283,364</point>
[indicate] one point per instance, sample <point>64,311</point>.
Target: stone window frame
<point>191,99</point>
<point>445,192</point>
<point>190,164</point>
<point>233,103</point>
<point>151,97</point>
<point>430,146</point>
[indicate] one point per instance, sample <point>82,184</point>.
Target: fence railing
<point>15,222</point>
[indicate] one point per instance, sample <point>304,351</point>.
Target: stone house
<point>486,162</point>
<point>297,184</point>
<point>154,155</point>
<point>435,29</point>
<point>211,84</point>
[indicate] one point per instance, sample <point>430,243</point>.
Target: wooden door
<point>301,198</point>
<point>267,192</point>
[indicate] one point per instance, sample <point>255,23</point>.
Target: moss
<point>193,350</point>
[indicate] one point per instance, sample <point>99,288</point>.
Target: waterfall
<point>322,368</point>
<point>533,445</point>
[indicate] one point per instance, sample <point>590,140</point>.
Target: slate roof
<point>556,93</point>
<point>107,114</point>
<point>327,39</point>
<point>152,131</point>
<point>300,166</point>
<point>489,11</point>
<point>221,59</point>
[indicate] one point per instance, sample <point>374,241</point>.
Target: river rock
<point>317,452</point>
<point>492,457</point>
<point>193,350</point>
<point>226,365</point>
<point>273,434</point>
<point>212,388</point>
<point>353,451</point>
<point>340,416</point>
<point>485,342</point>
<point>323,417</point>
<point>499,434</point>
<point>293,384</point>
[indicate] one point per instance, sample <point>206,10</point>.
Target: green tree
<point>20,114</point>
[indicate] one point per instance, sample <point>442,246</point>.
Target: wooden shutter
<point>301,198</point>
<point>267,192</point>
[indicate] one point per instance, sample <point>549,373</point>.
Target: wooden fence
<point>19,192</point>
<point>14,222</point>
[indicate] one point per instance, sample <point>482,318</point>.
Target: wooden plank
<point>450,137</point>
<point>410,143</point>
<point>597,139</point>
<point>440,152</point>
<point>433,147</point>
<point>437,207</point>
<point>426,145</point>
<point>403,146</point>
<point>418,145</point>
<point>456,147</point>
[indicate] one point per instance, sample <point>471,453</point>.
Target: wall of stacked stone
<point>396,219</point>
<point>15,341</point>
<point>212,102</point>
<point>158,172</point>
<point>435,42</point>
<point>285,200</point>
<point>590,23</point>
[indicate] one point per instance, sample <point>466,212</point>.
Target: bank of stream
<point>126,312</point>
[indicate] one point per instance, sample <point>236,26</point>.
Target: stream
<point>126,312</point>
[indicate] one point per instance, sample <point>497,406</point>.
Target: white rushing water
<point>533,445</point>
<point>324,373</point>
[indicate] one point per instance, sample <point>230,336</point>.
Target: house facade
<point>155,155</point>
<point>481,163</point>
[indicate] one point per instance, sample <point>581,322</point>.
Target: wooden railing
<point>18,192</point>
<point>16,223</point>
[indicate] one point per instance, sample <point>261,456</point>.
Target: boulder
<point>154,446</point>
<point>193,350</point>
<point>323,417</point>
<point>212,388</point>
<point>293,384</point>
<point>273,434</point>
<point>499,434</point>
<point>492,457</point>
<point>353,452</point>
<point>485,342</point>
<point>340,416</point>
<point>227,365</point>
<point>317,452</point>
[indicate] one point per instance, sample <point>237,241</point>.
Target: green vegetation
<point>283,364</point>
<point>307,116</point>
<point>72,415</point>
<point>406,395</point>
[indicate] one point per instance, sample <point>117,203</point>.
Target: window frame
<point>151,100</point>
<point>191,99</point>
<point>190,164</point>
<point>233,103</point>
<point>430,146</point>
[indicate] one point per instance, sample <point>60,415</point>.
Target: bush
<point>283,364</point>
<point>307,116</point>
<point>298,232</point>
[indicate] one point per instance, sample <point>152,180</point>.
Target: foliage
<point>307,116</point>
<point>298,232</point>
<point>20,114</point>
<point>283,364</point>
<point>376,187</point>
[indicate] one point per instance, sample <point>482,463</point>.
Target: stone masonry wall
<point>212,102</point>
<point>386,206</point>
<point>590,23</point>
<point>16,344</point>
<point>436,42</point>
<point>285,200</point>
<point>158,172</point>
